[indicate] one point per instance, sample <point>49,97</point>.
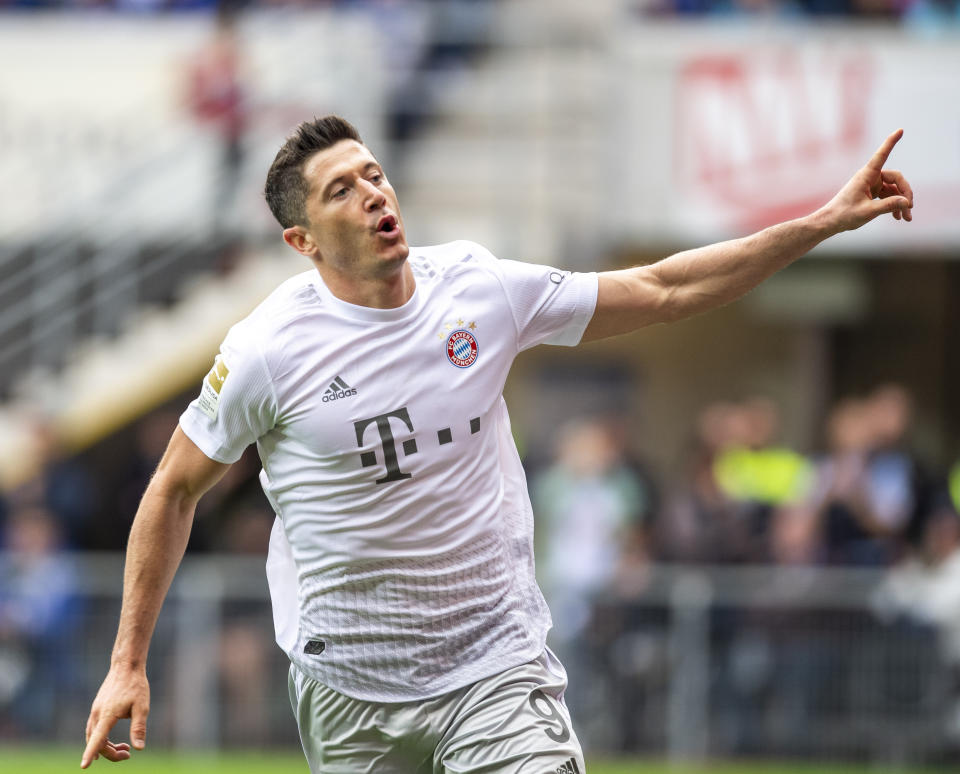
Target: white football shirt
<point>401,561</point>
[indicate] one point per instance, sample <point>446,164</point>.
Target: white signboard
<point>730,129</point>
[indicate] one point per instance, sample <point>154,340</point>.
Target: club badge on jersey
<point>461,344</point>
<point>462,349</point>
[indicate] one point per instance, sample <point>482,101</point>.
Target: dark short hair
<point>286,189</point>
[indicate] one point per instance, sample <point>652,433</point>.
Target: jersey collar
<point>367,313</point>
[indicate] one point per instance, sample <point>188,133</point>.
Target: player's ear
<point>300,240</point>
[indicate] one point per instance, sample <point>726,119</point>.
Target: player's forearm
<point>157,543</point>
<point>696,281</point>
<point>708,277</point>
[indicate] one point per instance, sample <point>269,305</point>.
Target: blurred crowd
<point>918,12</point>
<point>163,6</point>
<point>740,498</point>
<point>158,6</point>
<point>605,520</point>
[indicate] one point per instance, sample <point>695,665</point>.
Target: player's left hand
<point>125,693</point>
<point>871,192</point>
<point>113,751</point>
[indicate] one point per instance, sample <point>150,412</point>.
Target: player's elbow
<point>177,491</point>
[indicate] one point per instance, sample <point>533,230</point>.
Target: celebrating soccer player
<point>401,559</point>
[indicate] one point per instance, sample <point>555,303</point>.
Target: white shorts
<point>512,723</point>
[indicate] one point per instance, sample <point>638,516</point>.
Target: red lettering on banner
<point>769,135</point>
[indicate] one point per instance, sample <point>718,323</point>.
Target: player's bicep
<point>185,470</point>
<point>627,299</point>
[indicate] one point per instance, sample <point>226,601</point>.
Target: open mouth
<point>388,225</point>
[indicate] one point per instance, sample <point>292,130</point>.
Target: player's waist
<point>425,584</point>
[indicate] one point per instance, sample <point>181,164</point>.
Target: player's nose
<point>373,196</point>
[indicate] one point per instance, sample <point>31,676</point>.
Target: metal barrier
<point>761,661</point>
<point>704,663</point>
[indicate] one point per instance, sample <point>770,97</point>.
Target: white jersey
<point>401,562</point>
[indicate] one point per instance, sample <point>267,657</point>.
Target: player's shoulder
<point>451,258</point>
<point>285,304</point>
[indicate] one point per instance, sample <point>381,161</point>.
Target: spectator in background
<point>921,595</point>
<point>61,484</point>
<point>697,523</point>
<point>759,475</point>
<point>743,504</point>
<point>953,484</point>
<point>721,508</point>
<point>867,488</point>
<point>38,615</point>
<point>930,16</point>
<point>590,509</point>
<point>899,482</point>
<point>586,504</point>
<point>69,489</point>
<point>925,586</point>
<point>217,98</point>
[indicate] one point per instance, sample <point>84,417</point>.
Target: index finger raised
<point>880,157</point>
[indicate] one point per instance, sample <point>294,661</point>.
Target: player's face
<point>354,218</point>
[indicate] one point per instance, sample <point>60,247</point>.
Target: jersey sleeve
<point>549,306</point>
<point>236,404</point>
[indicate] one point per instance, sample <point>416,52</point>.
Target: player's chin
<point>396,252</point>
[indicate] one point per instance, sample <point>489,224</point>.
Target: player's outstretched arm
<point>158,539</point>
<point>696,281</point>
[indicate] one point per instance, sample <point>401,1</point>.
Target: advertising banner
<point>725,129</point>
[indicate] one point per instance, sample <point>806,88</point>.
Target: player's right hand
<point>871,192</point>
<point>125,693</point>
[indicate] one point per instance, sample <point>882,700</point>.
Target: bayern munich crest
<point>462,348</point>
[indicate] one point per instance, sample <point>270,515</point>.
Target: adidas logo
<point>570,767</point>
<point>338,389</point>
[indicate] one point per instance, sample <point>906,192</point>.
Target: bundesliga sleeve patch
<point>209,401</point>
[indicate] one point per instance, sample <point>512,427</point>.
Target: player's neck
<point>388,292</point>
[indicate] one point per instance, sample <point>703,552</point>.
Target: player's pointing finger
<point>89,753</point>
<point>880,157</point>
<point>96,740</point>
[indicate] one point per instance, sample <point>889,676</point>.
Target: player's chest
<point>438,374</point>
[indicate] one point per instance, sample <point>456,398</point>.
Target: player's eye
<point>339,193</point>
<point>376,178</point>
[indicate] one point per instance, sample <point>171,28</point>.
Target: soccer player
<point>400,564</point>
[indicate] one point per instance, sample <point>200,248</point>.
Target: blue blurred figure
<point>39,614</point>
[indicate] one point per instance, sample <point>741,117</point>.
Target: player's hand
<point>871,192</point>
<point>125,693</point>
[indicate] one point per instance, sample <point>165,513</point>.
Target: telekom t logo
<point>387,443</point>
<point>399,420</point>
